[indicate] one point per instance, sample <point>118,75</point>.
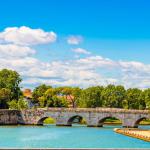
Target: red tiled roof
<point>27,93</point>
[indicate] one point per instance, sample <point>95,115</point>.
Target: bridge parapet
<point>113,110</point>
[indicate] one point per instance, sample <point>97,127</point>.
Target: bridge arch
<point>76,119</point>
<point>42,119</point>
<point>94,117</point>
<point>137,122</point>
<point>101,121</point>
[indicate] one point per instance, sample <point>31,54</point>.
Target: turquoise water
<point>66,137</point>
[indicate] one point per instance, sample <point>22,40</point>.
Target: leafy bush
<point>18,105</point>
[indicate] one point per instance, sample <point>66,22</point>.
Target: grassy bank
<point>49,121</point>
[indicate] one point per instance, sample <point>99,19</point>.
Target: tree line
<point>112,96</point>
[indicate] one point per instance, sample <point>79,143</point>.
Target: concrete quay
<point>135,133</point>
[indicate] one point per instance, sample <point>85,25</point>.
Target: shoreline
<point>135,133</point>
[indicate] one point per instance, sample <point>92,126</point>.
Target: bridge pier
<point>92,123</point>
<point>129,121</point>
<point>62,121</point>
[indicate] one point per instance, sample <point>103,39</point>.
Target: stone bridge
<point>94,117</point>
<point>9,117</point>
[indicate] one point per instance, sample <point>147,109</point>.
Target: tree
<point>71,94</point>
<point>59,102</point>
<point>22,104</point>
<point>113,96</point>
<point>13,104</point>
<point>18,105</point>
<point>10,80</point>
<point>51,98</point>
<point>42,101</point>
<point>133,98</point>
<point>5,96</point>
<point>39,92</point>
<point>91,97</point>
<point>119,95</point>
<point>50,93</point>
<point>146,95</point>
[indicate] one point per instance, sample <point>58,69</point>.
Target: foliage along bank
<point>112,96</point>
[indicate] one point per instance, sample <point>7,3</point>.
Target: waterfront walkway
<point>136,133</point>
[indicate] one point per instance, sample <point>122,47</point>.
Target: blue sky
<point>109,19</point>
<point>118,30</point>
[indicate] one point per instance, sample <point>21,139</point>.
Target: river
<point>51,136</point>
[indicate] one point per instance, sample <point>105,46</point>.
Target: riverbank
<point>135,133</point>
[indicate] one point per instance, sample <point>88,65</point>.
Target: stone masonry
<point>9,117</point>
<point>65,116</point>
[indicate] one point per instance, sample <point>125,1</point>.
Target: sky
<point>76,42</point>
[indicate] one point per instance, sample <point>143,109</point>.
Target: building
<point>27,94</point>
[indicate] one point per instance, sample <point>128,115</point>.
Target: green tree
<point>13,104</point>
<point>39,92</point>
<point>146,95</point>
<point>49,95</point>
<point>22,104</point>
<point>91,97</point>
<point>5,96</point>
<point>10,80</point>
<point>18,105</point>
<point>42,101</point>
<point>70,93</point>
<point>51,98</point>
<point>59,102</point>
<point>119,95</point>
<point>113,96</point>
<point>133,98</point>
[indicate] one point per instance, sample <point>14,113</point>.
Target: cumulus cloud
<point>74,40</point>
<point>83,72</point>
<point>27,36</point>
<point>97,61</point>
<point>81,51</point>
<point>10,50</point>
<point>16,53</point>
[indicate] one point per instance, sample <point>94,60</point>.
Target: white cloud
<point>97,61</point>
<point>10,50</point>
<point>89,71</point>
<point>74,40</point>
<point>81,51</point>
<point>27,36</point>
<point>16,53</point>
